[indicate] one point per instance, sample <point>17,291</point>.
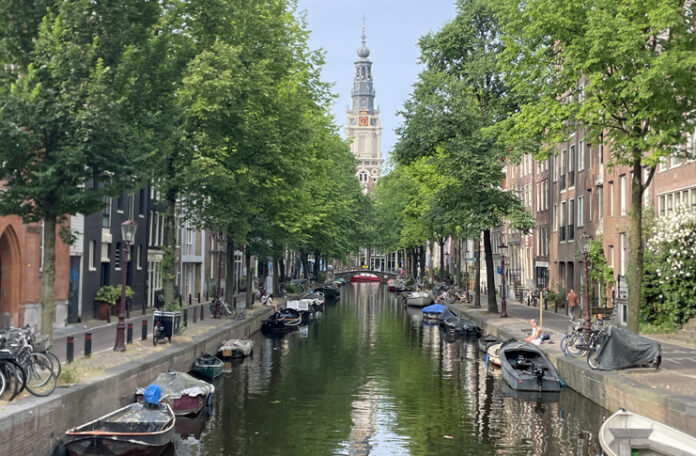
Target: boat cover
<point>152,394</point>
<point>447,313</point>
<point>434,308</point>
<point>177,384</point>
<point>621,349</point>
<point>137,418</point>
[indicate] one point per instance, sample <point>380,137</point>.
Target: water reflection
<point>370,378</point>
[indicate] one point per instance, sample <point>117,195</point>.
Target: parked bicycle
<point>24,367</point>
<point>226,311</point>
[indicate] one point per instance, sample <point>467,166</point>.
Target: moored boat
<point>330,291</point>
<point>303,306</point>
<point>493,354</point>
<point>185,394</point>
<point>433,311</point>
<point>486,341</point>
<point>626,434</point>
<point>418,298</point>
<point>284,320</point>
<point>136,429</point>
<point>316,299</point>
<point>365,277</point>
<point>236,348</point>
<point>208,366</point>
<point>461,326</point>
<point>526,368</point>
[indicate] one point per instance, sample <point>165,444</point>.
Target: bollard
<point>181,303</point>
<point>143,336</point>
<point>195,315</point>
<point>202,312</point>
<point>199,297</point>
<point>555,306</point>
<point>69,351</point>
<point>88,345</point>
<point>129,334</point>
<point>185,318</point>
<point>190,301</point>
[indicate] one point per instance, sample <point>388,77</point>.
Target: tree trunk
<point>48,277</point>
<point>169,252</point>
<point>477,272</point>
<point>442,259</point>
<point>421,251</point>
<point>490,272</point>
<point>457,263</point>
<point>368,256</point>
<point>305,265</point>
<point>249,276</point>
<point>276,274</point>
<point>229,271</point>
<point>317,259</point>
<point>281,268</point>
<point>635,270</point>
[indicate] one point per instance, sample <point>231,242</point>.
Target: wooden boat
<point>185,394</point>
<point>208,366</point>
<point>626,434</point>
<point>236,348</point>
<point>526,368</point>
<point>330,291</point>
<point>418,298</point>
<point>365,277</point>
<point>493,354</point>
<point>136,429</point>
<point>282,321</point>
<point>486,341</point>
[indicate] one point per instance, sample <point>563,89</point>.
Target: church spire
<point>363,92</point>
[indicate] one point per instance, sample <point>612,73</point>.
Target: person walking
<point>572,303</point>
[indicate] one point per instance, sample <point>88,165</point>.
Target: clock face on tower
<point>362,121</point>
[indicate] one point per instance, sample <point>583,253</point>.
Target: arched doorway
<point>9,275</point>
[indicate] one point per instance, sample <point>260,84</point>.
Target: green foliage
<point>111,294</point>
<point>600,272</point>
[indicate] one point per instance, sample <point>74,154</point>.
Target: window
<point>611,199</point>
<point>131,205</point>
<point>554,217</point>
<point>563,222</point>
<point>120,203</point>
<point>555,168</point>
<point>661,208</point>
<point>581,156</point>
<point>589,205</point>
<point>581,211</point>
<point>600,202</point>
<point>662,164</point>
<point>571,167</point>
<point>138,258</point>
<point>92,256</point>
<point>623,259</point>
<point>117,257</point>
<point>675,161</point>
<point>571,220</point>
<point>564,155</point>
<point>106,213</point>
<point>622,195</point>
<point>141,203</point>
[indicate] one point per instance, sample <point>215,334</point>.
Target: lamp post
<point>503,292</point>
<point>586,239</point>
<point>128,235</point>
<point>219,238</point>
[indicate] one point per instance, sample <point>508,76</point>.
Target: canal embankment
<point>34,425</point>
<point>666,394</point>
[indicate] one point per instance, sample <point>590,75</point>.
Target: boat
<point>461,326</point>
<point>330,291</point>
<point>492,354</point>
<point>185,394</point>
<point>433,311</point>
<point>305,307</point>
<point>236,348</point>
<point>208,366</point>
<point>486,341</point>
<point>418,298</point>
<point>284,320</point>
<point>365,277</point>
<point>526,368</point>
<point>340,281</point>
<point>317,300</point>
<point>136,429</point>
<point>625,434</point>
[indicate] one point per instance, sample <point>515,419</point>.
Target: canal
<point>368,377</point>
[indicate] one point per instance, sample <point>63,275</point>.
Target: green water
<point>368,377</point>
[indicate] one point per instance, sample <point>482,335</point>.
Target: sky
<point>393,28</point>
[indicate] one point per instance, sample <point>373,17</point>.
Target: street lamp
<point>128,235</point>
<point>219,237</point>
<point>586,241</point>
<point>503,292</point>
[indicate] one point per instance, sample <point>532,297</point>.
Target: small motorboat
<point>526,368</point>
<point>340,281</point>
<point>136,429</point>
<point>236,348</point>
<point>418,298</point>
<point>461,326</point>
<point>185,394</point>
<point>365,277</point>
<point>626,434</point>
<point>305,307</point>
<point>486,341</point>
<point>330,291</point>
<point>208,366</point>
<point>493,354</point>
<point>433,311</point>
<point>284,320</point>
<point>316,299</point>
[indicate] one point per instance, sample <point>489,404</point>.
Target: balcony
<point>562,233</point>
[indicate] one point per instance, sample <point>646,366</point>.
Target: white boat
<point>625,434</point>
<point>493,354</point>
<point>418,298</point>
<point>236,348</point>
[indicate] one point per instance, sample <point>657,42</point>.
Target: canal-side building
<point>363,125</point>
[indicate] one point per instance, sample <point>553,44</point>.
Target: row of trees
<point>218,102</point>
<point>514,77</point>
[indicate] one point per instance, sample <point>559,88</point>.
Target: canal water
<point>368,377</point>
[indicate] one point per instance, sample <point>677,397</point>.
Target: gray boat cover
<point>177,384</point>
<point>446,314</point>
<point>621,349</point>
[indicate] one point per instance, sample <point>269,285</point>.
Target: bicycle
<point>226,311</point>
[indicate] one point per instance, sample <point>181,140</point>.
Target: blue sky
<point>393,28</point>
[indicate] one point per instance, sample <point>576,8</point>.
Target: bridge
<point>348,273</point>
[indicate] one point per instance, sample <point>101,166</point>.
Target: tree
<point>620,69</point>
<point>69,133</point>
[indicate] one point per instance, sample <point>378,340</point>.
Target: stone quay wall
<point>34,426</point>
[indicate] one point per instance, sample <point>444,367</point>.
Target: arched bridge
<point>347,274</point>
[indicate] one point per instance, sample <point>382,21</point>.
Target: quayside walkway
<point>667,394</point>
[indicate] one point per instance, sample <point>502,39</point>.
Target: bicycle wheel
<point>55,363</point>
<point>3,384</point>
<point>592,360</point>
<point>573,348</point>
<point>40,379</point>
<point>15,376</point>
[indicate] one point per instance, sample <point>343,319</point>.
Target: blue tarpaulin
<point>434,308</point>
<point>152,394</point>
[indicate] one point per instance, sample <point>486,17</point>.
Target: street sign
<point>500,270</point>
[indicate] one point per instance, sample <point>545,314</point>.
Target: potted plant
<point>107,297</point>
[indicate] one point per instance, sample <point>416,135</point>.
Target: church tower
<point>363,125</point>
